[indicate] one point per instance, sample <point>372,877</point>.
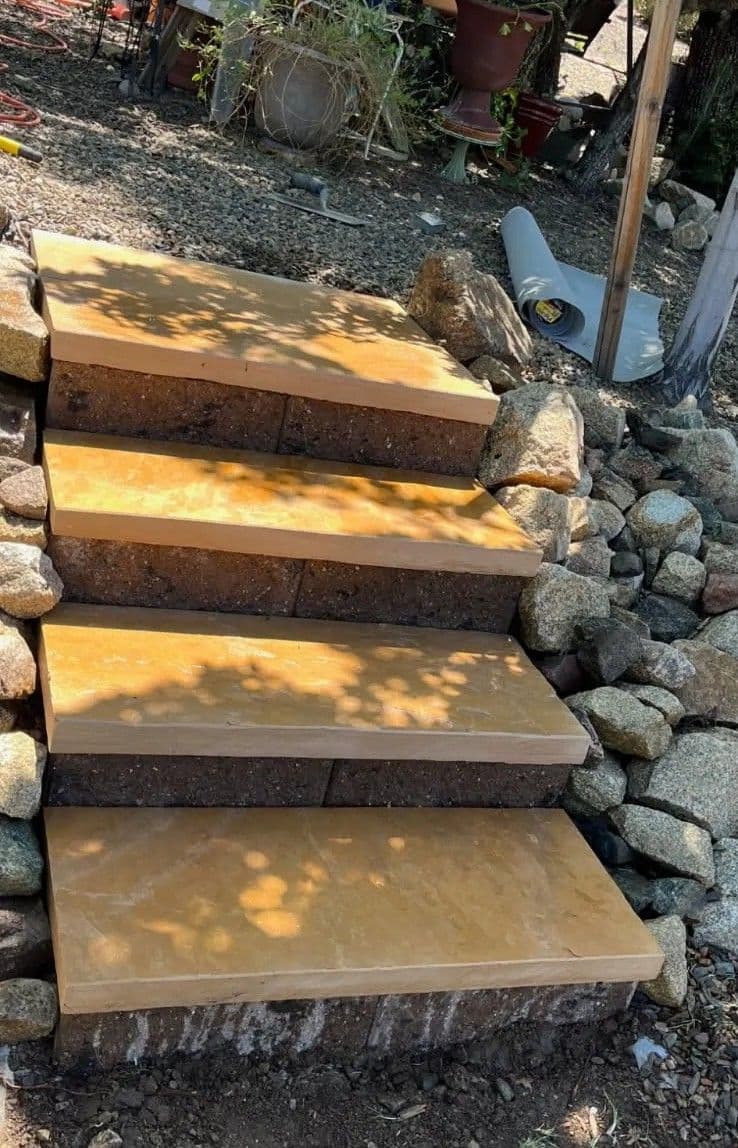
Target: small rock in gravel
<point>720,593</point>
<point>670,986</point>
<point>680,576</point>
<point>667,618</point>
<point>719,925</point>
<point>683,418</point>
<point>606,649</point>
<point>665,521</point>
<point>553,602</point>
<point>28,1009</point>
<point>106,1139</point>
<point>22,762</point>
<point>661,665</point>
<point>662,700</point>
<point>505,1090</point>
<point>25,493</point>
<point>721,632</point>
<point>712,692</point>
<point>500,377</point>
<point>590,557</point>
<point>25,941</point>
<point>536,439</point>
<point>678,896</point>
<point>129,1098</point>
<point>17,663</point>
<point>542,514</point>
<point>688,235</point>
<point>696,779</point>
<point>600,788</point>
<point>29,584</point>
<point>677,845</point>
<point>21,863</point>
<point>623,723</point>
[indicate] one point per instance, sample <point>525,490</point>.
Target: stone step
<point>157,909</point>
<point>128,681</point>
<point>173,494</point>
<point>309,369</point>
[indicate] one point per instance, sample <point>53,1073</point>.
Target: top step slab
<point>143,311</point>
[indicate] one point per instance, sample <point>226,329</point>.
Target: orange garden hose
<point>13,110</point>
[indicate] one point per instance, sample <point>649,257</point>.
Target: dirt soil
<point>573,1087</point>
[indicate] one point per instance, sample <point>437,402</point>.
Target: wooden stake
<point>635,185</point>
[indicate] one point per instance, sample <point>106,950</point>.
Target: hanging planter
<point>536,119</point>
<point>489,47</point>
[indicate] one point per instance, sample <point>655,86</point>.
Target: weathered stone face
<point>696,780</point>
<point>599,788</point>
<point>22,762</point>
<point>28,1009</point>
<point>24,493</point>
<point>604,423</point>
<point>665,521</point>
<point>543,515</point>
<point>670,986</point>
<point>712,692</point>
<point>21,863</point>
<point>661,665</point>
<point>552,604</point>
<point>467,310</point>
<point>536,440</point>
<point>662,700</point>
<point>721,632</point>
<point>623,723</point>
<point>680,576</point>
<point>29,585</point>
<point>24,340</point>
<point>17,663</point>
<point>712,457</point>
<point>677,845</point>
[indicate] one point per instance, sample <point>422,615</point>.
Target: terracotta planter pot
<point>484,61</point>
<point>302,95</point>
<point>537,118</point>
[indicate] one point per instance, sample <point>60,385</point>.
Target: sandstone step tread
<point>167,907</point>
<point>173,494</point>
<point>128,680</point>
<point>145,311</point>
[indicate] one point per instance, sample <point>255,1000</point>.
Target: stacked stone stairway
<point>283,708</point>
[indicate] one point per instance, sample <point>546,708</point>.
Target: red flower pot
<point>485,61</point>
<point>537,118</point>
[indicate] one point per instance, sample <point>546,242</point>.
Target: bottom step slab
<point>157,908</point>
<point>339,1029</point>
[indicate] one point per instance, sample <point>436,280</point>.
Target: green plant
<point>685,26</point>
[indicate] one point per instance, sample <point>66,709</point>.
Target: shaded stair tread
<point>144,311</point>
<point>172,494</point>
<point>157,908</point>
<point>129,680</point>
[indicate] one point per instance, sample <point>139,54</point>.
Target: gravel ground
<point>579,1090</point>
<point>157,176</point>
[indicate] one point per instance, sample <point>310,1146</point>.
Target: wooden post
<point>635,185</point>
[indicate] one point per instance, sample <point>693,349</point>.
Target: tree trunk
<point>689,363</point>
<point>705,138</point>
<point>602,150</point>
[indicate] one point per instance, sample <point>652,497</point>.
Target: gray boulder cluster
<point>29,587</point>
<point>689,216</point>
<point>633,617</point>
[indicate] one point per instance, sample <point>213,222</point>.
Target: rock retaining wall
<point>29,587</point>
<point>633,618</point>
